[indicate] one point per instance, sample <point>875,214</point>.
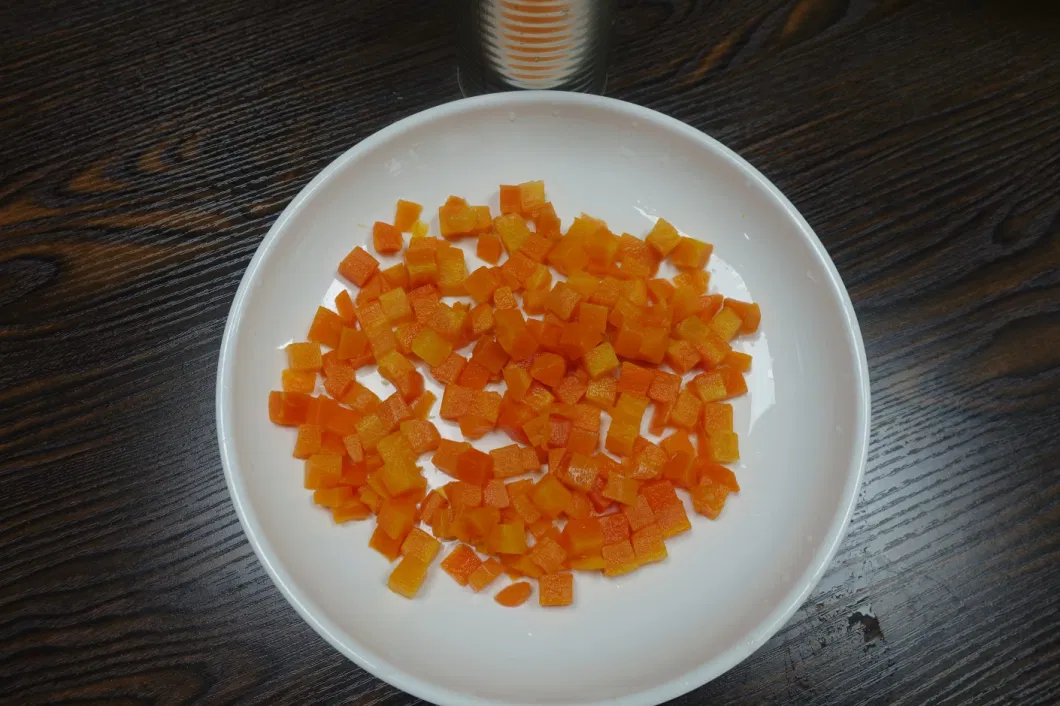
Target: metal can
<point>534,44</point>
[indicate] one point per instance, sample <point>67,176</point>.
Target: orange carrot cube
<point>563,300</point>
<point>722,447</point>
<point>726,324</point>
<point>386,238</point>
<point>308,441</point>
<point>407,577</point>
<point>550,496</point>
<point>452,272</point>
<point>678,442</point>
<point>750,314</point>
<point>358,266</point>
<point>735,384</point>
<point>717,416</point>
<point>508,538</point>
<point>737,361</point>
<point>395,304</point>
<point>600,360</point>
<point>461,563</point>
<point>463,495</point>
<point>648,544</point>
<point>489,247</point>
<point>654,344</point>
<point>304,357</point>
<point>511,199</point>
<point>620,437</point>
<point>512,230</point>
<point>615,528</point>
<point>619,558</point>
<point>474,376</point>
<point>344,305</point>
<point>663,237</point>
<point>485,574</point>
<point>495,494</point>
<point>556,589</point>
<point>548,554</point>
<point>449,371</point>
<point>639,513</point>
<point>326,328</point>
<point>531,195</point>
<point>548,368</point>
<point>396,519</point>
<point>672,520</point>
<point>421,435</point>
<point>474,466</point>
<point>720,475</point>
<point>304,381</point>
<point>407,213</point>
<point>686,411</point>
<point>456,401</point>
<point>507,461</point>
<point>420,545</point>
<point>621,489</point>
<point>690,254</point>
<point>659,495</point>
<point>480,320</point>
<point>682,356</point>
<point>709,387</point>
<point>431,347</point>
<point>489,354</point>
<point>384,544</point>
<point>601,392</point>
<point>322,471</point>
<point>708,497</point>
<point>449,451</point>
<point>433,503</point>
<point>634,379</point>
<point>581,472</point>
<point>448,321</point>
<point>630,409</point>
<point>583,536</point>
<point>352,509</point>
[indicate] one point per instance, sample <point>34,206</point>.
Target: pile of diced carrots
<point>546,359</point>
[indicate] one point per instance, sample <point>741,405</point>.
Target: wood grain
<point>149,147</point>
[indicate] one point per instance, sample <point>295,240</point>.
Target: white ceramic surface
<point>729,584</point>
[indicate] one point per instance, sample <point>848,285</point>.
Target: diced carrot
<point>386,238</point>
<point>619,558</point>
<point>508,538</point>
<point>648,544</point>
<point>485,574</point>
<point>406,215</point>
<point>358,266</point>
<point>621,489</point>
<point>461,563</point>
<point>635,379</point>
<point>288,408</point>
<point>750,314</point>
<point>489,247</point>
<point>556,589</point>
<point>550,496</point>
<point>548,554</point>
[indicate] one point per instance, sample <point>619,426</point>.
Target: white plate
<point>729,584</point>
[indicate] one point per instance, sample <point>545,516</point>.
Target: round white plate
<point>729,584</point>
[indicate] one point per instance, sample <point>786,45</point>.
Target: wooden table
<point>147,147</point>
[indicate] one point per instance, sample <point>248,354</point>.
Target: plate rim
<point>394,675</point>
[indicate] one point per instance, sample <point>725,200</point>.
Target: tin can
<point>534,44</point>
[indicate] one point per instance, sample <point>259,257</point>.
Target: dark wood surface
<point>147,147</point>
